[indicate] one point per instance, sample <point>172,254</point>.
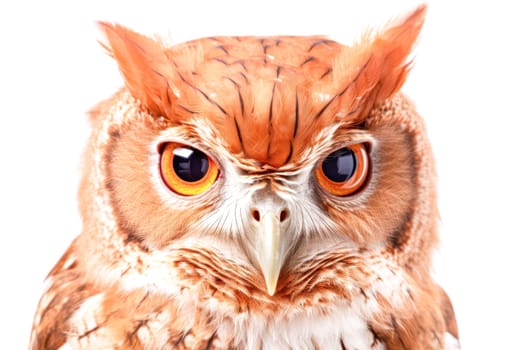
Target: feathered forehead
<point>266,97</point>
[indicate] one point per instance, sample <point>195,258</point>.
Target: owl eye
<point>186,170</point>
<point>344,171</point>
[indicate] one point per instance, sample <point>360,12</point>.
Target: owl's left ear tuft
<point>391,50</point>
<point>144,65</point>
<point>375,68</point>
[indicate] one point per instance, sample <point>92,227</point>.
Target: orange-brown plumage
<point>252,88</point>
<point>264,255</point>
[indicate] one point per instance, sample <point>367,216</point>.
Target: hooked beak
<point>269,249</point>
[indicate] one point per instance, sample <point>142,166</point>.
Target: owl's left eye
<point>344,172</point>
<point>187,170</point>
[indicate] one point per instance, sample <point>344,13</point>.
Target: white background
<point>468,83</point>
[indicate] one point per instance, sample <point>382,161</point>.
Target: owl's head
<point>258,156</point>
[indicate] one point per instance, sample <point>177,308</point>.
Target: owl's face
<point>264,154</point>
<point>254,193</point>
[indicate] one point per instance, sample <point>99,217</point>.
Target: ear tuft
<point>143,62</point>
<point>373,69</point>
<point>394,46</point>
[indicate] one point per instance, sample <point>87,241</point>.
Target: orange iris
<point>186,170</point>
<point>344,171</point>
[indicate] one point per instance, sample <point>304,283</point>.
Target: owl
<point>254,193</point>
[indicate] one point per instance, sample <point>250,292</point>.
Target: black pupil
<point>340,165</point>
<point>190,164</point>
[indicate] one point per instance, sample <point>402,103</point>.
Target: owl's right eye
<point>186,170</point>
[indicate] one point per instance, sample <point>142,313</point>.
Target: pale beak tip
<point>270,287</point>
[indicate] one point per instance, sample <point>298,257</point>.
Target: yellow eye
<point>344,171</point>
<point>186,170</point>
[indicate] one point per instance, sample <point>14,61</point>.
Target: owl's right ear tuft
<point>143,62</point>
